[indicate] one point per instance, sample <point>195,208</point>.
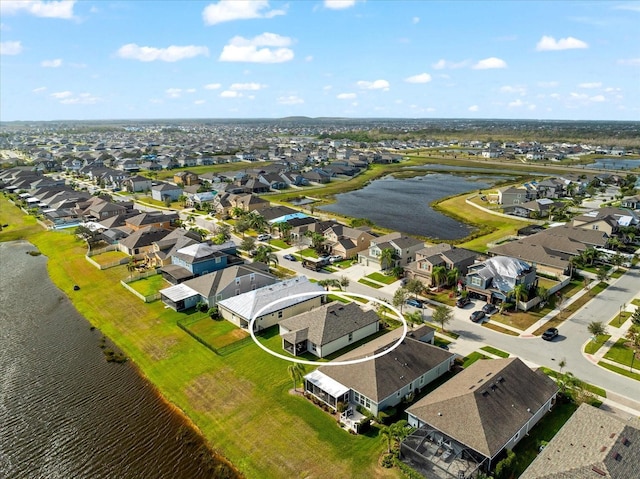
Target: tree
<point>414,317</point>
<point>167,201</point>
<point>397,271</point>
<point>344,283</point>
<point>257,221</point>
<point>237,212</point>
<point>223,233</point>
<point>241,226</point>
<point>296,372</point>
<point>317,241</point>
<point>452,276</point>
<point>264,254</point>
<point>248,243</point>
<point>387,436</point>
<point>284,229</point>
<point>442,315</point>
<point>183,200</point>
<point>634,336</point>
<point>617,260</point>
<point>519,293</point>
<point>562,364</point>
<point>387,258</point>
<point>602,274</point>
<point>615,243</point>
<point>399,298</point>
<point>590,255</point>
<point>439,275</point>
<point>415,287</point>
<point>597,328</point>
<point>635,317</point>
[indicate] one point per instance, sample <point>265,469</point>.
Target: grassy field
<point>620,353</point>
<point>472,358</point>
<point>623,371</point>
<point>382,278</point>
<point>369,283</point>
<point>240,402</point>
<point>150,285</point>
<point>500,329</point>
<point>593,347</point>
<point>108,257</point>
<point>495,351</point>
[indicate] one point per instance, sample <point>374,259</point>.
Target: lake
<point>614,164</point>
<point>404,204</point>
<point>65,412</point>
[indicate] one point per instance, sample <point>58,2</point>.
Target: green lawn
<point>308,253</point>
<point>108,257</point>
<point>620,353</point>
<point>382,278</point>
<point>369,283</point>
<point>278,243</point>
<point>233,399</point>
<point>619,319</point>
<point>472,358</point>
<point>593,347</point>
<point>495,352</point>
<point>623,372</point>
<point>586,386</point>
<point>151,285</point>
<point>500,329</point>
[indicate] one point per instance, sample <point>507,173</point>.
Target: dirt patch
<point>159,350</point>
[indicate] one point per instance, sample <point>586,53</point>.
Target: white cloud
<point>597,98</point>
<point>173,92</point>
<point>59,95</point>
<point>415,20</point>
<point>445,64</point>
<point>548,84</point>
<point>633,7</point>
<point>246,86</point>
<point>199,102</point>
<point>10,48</point>
<point>229,10</point>
<point>240,49</point>
<point>52,63</point>
<point>339,4</point>
<point>39,8</point>
<point>548,43</point>
<point>131,51</point>
<point>374,85</point>
<point>516,103</point>
<point>212,86</point>
<point>633,62</point>
<point>489,64</point>
<point>190,90</point>
<point>590,85</point>
<point>346,96</point>
<point>473,108</point>
<point>39,89</point>
<point>420,78</point>
<point>230,94</point>
<point>290,100</point>
<point>519,90</point>
<point>308,58</point>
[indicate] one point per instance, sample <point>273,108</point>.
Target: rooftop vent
<point>598,471</point>
<point>485,393</point>
<point>500,379</point>
<point>617,457</point>
<point>625,441</point>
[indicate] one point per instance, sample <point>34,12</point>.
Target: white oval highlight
<point>330,363</point>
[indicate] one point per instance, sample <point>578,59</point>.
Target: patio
<point>434,455</point>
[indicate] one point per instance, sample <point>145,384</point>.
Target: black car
<point>462,302</point>
<point>477,316</point>
<point>549,334</point>
<point>489,309</point>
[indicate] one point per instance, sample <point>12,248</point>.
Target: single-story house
<point>592,444</point>
<point>240,309</point>
<point>382,382</point>
<point>477,415</point>
<point>325,330</point>
<point>165,190</point>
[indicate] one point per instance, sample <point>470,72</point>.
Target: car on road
<point>489,309</point>
<point>290,257</point>
<point>477,316</point>
<point>416,303</point>
<point>462,302</point>
<point>549,334</point>
<point>264,237</point>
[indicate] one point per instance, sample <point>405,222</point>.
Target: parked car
<point>264,237</point>
<point>462,302</point>
<point>335,258</point>
<point>290,257</point>
<point>477,316</point>
<point>549,334</point>
<point>489,309</point>
<point>416,303</point>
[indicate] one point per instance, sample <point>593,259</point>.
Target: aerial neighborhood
<point>223,228</point>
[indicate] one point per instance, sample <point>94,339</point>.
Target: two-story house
<point>403,248</point>
<point>347,242</point>
<point>443,254</point>
<point>495,279</point>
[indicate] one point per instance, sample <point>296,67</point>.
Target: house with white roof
<point>279,301</point>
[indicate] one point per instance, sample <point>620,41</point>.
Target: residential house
<point>495,279</point>
<point>137,184</point>
<point>631,202</point>
<point>140,242</point>
<point>198,259</point>
<point>383,381</point>
<point>533,209</point>
<point>158,219</point>
<point>592,444</point>
<point>515,196</point>
<point>608,220</point>
<point>444,255</point>
<point>404,250</point>
<point>470,421</point>
<point>327,329</point>
<point>273,303</point>
<point>162,191</point>
<point>186,178</point>
<point>217,286</point>
<point>345,241</point>
<point>164,249</point>
<point>98,209</point>
<point>201,200</point>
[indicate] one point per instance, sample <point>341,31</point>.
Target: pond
<point>614,164</point>
<point>404,204</point>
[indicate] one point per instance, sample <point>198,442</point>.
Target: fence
<point>107,265</point>
<point>130,279</point>
<point>106,249</point>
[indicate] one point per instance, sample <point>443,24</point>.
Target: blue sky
<point>576,60</point>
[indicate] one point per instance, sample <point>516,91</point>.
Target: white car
<point>264,237</point>
<point>335,258</point>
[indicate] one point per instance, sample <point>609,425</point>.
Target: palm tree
<point>296,372</point>
<point>284,228</point>
<point>519,293</point>
<point>387,435</point>
<point>387,258</point>
<point>257,221</point>
<point>615,243</point>
<point>241,226</point>
<point>439,275</point>
<point>317,240</point>
<point>237,212</point>
<point>562,364</point>
<point>452,276</point>
<point>264,254</point>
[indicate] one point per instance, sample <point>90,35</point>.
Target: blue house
<point>198,259</point>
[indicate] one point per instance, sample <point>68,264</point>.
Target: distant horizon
<point>93,60</point>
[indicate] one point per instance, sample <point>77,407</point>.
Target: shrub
<point>387,461</point>
<point>341,407</point>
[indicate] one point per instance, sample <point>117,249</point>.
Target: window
<point>350,336</point>
<point>595,227</point>
<point>476,281</point>
<point>252,277</point>
<point>237,280</point>
<point>237,292</point>
<point>279,314</point>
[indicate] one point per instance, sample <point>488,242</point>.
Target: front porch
<point>434,455</point>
